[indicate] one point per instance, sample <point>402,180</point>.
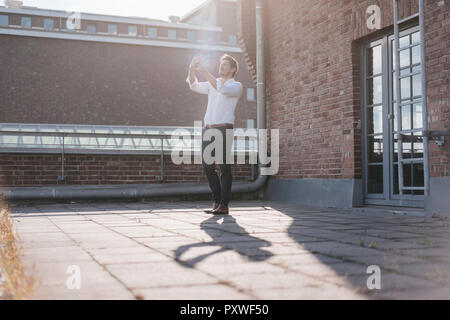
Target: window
<point>383,117</point>
<point>112,28</point>
<point>132,30</point>
<point>152,32</point>
<point>26,22</point>
<point>3,20</point>
<point>191,35</point>
<point>251,94</point>
<point>91,28</point>
<point>48,23</point>
<point>207,59</point>
<point>209,36</point>
<point>172,34</point>
<point>232,39</point>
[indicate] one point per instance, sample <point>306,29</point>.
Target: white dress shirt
<point>221,102</point>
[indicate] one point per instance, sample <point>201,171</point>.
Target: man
<point>223,95</point>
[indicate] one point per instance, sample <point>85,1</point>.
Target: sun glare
<point>155,9</point>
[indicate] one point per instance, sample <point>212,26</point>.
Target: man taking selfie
<point>223,95</point>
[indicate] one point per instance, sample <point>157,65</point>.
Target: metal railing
<point>65,142</point>
<point>437,136</point>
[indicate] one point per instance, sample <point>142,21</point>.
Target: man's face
<point>225,69</point>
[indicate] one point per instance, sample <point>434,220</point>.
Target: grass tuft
<point>14,283</point>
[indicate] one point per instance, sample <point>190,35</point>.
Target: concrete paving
<point>262,250</point>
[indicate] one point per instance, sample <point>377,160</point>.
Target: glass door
<point>380,151</point>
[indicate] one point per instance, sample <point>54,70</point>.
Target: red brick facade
<point>62,81</point>
<point>21,170</point>
<point>313,84</point>
<point>221,13</point>
<point>79,82</point>
<point>438,77</point>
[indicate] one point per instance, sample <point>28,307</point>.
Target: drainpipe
<point>260,72</point>
<point>159,190</point>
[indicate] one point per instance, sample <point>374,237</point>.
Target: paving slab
<point>158,274</point>
<point>198,292</point>
<point>325,291</point>
<point>262,250</point>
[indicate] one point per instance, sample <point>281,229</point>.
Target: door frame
<point>387,197</point>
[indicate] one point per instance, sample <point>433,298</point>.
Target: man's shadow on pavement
<point>246,245</point>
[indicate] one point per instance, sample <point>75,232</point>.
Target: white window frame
<point>172,34</point>
<point>22,19</point>
<point>251,94</point>
<point>132,33</point>
<point>209,36</point>
<point>6,17</point>
<point>91,25</point>
<point>112,25</point>
<point>193,36</point>
<point>232,36</point>
<point>151,29</point>
<point>48,20</point>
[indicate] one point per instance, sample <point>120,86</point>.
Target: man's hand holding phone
<point>197,66</point>
<point>196,62</point>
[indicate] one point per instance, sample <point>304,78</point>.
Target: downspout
<point>260,72</point>
<point>159,190</point>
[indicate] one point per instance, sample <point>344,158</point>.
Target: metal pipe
<point>93,192</point>
<point>260,72</point>
<point>63,177</point>
<point>260,77</point>
<point>158,190</point>
<point>424,98</point>
<point>398,99</point>
<point>161,178</point>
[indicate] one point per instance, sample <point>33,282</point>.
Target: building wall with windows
<point>110,71</point>
<point>316,94</point>
<point>219,13</point>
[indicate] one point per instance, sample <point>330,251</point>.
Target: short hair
<point>233,62</point>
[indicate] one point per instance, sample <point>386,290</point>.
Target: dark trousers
<point>221,188</point>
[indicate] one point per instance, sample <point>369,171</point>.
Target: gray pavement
<point>262,250</point>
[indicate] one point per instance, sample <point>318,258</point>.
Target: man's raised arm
<point>230,90</point>
<point>204,72</point>
<point>194,85</point>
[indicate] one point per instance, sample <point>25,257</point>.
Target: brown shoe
<point>215,206</point>
<point>222,209</point>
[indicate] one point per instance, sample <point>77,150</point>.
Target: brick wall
<point>40,170</point>
<point>310,89</point>
<point>313,86</point>
<point>59,81</point>
<point>246,33</point>
<point>81,82</point>
<point>220,13</point>
<point>437,40</point>
<point>226,18</point>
